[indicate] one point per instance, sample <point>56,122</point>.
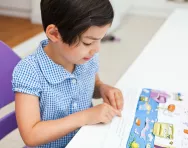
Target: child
<point>54,86</point>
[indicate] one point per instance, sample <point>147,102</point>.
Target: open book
<point>150,119</point>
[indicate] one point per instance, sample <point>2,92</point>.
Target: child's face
<point>83,51</point>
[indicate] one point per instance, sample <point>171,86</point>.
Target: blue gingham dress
<point>60,92</point>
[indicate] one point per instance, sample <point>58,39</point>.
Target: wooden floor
<point>13,31</point>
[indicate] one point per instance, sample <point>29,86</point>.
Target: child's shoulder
<point>28,64</point>
<point>25,77</point>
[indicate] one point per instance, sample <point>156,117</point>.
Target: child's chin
<point>81,62</point>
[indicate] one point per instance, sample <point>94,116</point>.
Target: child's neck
<point>58,59</point>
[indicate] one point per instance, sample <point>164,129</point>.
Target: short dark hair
<point>74,17</point>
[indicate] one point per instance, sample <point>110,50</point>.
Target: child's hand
<point>102,113</point>
<point>112,96</point>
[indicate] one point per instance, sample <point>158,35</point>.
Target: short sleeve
<point>25,79</point>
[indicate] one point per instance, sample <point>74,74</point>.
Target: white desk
<point>163,64</point>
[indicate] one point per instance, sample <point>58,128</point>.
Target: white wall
<point>36,14</point>
<point>21,4</point>
<point>19,8</point>
<point>161,8</point>
<point>121,7</point>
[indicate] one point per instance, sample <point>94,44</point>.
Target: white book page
<point>120,127</point>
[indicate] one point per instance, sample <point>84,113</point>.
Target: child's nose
<point>96,48</point>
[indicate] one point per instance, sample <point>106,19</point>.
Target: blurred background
<point>135,23</point>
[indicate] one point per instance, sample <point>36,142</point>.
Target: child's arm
<point>98,83</point>
<point>36,132</point>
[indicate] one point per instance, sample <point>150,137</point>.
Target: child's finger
<point>116,112</point>
<point>113,101</point>
<point>106,100</point>
<point>119,101</point>
<point>121,95</point>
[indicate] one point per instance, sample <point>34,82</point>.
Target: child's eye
<point>87,44</point>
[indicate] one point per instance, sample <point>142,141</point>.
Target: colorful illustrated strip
<point>146,125</point>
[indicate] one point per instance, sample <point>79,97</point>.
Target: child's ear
<point>53,33</point>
